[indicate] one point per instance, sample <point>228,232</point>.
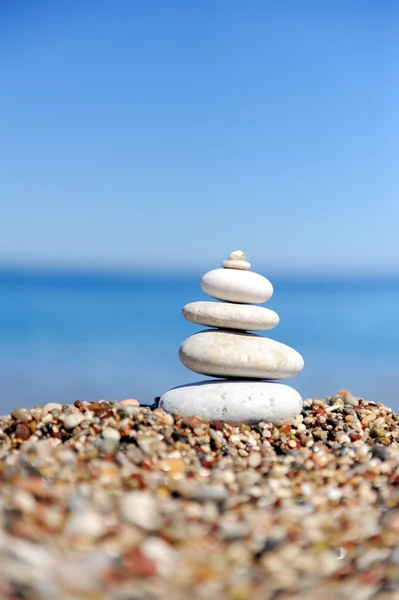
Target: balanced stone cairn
<point>246,360</point>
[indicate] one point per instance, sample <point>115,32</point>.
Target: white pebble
<point>227,477</point>
<point>52,406</point>
<point>140,508</point>
<point>334,494</point>
<point>231,530</point>
<point>32,554</point>
<point>233,402</point>
<point>109,433</point>
<point>254,459</point>
<point>213,493</point>
<point>45,447</point>
<point>73,420</point>
<point>24,501</point>
<point>161,553</point>
<point>87,522</point>
<point>227,353</point>
<point>231,316</point>
<point>235,285</point>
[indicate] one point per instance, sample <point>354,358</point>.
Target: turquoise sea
<point>67,336</point>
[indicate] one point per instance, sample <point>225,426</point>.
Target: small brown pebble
<point>192,422</point>
<point>32,426</point>
<point>136,564</point>
<point>22,432</point>
<point>218,425</point>
<point>285,428</point>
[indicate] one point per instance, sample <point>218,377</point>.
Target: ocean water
<point>89,336</point>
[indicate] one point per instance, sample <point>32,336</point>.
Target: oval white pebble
<point>140,508</point>
<point>129,401</point>
<point>234,401</point>
<point>234,354</point>
<point>236,285</point>
<point>231,316</point>
<point>109,433</point>
<point>73,420</point>
<point>86,523</point>
<point>51,406</point>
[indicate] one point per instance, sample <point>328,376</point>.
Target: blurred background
<point>142,141</point>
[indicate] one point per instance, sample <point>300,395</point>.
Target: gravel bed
<point>104,500</point>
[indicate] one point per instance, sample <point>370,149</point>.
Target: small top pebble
<point>237,260</point>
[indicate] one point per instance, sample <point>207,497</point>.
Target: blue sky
<point>164,134</point>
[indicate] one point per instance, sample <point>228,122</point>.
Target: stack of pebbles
<point>246,361</point>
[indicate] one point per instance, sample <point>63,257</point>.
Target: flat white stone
<point>234,401</point>
<point>222,353</point>
<point>236,285</point>
<point>236,264</point>
<point>230,316</point>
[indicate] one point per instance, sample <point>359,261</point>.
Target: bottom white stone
<point>233,401</point>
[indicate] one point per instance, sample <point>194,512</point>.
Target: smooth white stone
<point>73,420</point>
<point>51,406</point>
<point>140,508</point>
<point>162,553</point>
<point>234,401</point>
<point>86,523</point>
<point>233,354</point>
<point>110,433</point>
<point>235,285</point>
<point>236,260</point>
<point>230,316</point>
<point>243,265</point>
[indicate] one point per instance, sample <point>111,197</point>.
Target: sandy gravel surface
<point>105,500</point>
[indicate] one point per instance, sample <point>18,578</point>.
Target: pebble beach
<point>108,500</point>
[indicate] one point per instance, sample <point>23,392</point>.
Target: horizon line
<point>152,270</point>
